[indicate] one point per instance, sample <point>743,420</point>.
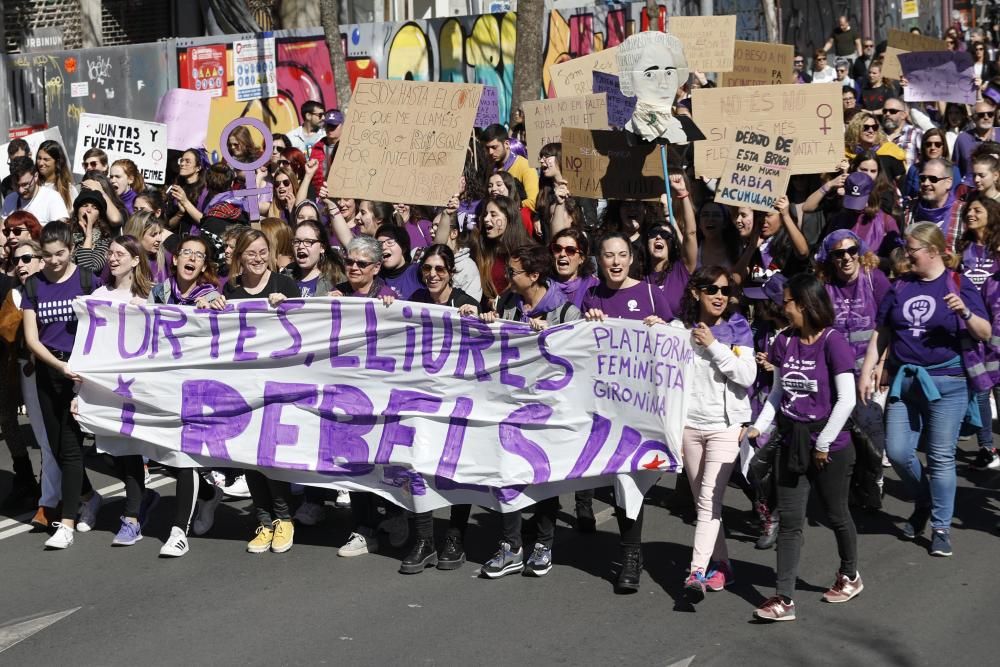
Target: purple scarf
<point>936,215</point>
<point>200,290</point>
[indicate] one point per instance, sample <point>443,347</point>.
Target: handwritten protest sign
<point>600,164</point>
<point>411,402</point>
<point>141,141</point>
<point>945,76</point>
<point>185,113</point>
<point>489,108</point>
<point>903,41</point>
<point>256,69</point>
<point>405,141</point>
<point>620,107</point>
<point>34,140</point>
<point>709,41</point>
<point>573,77</point>
<point>813,115</point>
<point>757,171</point>
<point>759,64</point>
<point>544,119</point>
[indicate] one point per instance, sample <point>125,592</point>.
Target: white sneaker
<point>206,513</point>
<point>88,513</point>
<point>238,489</point>
<point>397,527</point>
<point>309,514</point>
<point>343,499</point>
<point>62,538</point>
<point>176,545</point>
<point>216,478</point>
<point>358,545</point>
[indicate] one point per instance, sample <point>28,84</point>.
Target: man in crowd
<point>982,130</point>
<point>29,195</point>
<point>877,89</point>
<point>310,132</point>
<point>859,69</point>
<point>497,143</point>
<point>16,148</point>
<point>844,40</point>
<point>324,149</point>
<point>896,123</point>
<point>937,202</point>
<point>850,101</point>
<point>95,160</point>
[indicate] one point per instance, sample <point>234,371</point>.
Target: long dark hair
<point>446,255</point>
<point>690,304</point>
<point>62,176</point>
<point>489,250</point>
<point>330,265</point>
<point>582,243</point>
<point>730,237</point>
<point>811,297</point>
<point>991,235</point>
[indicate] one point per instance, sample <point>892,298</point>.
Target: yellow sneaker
<point>262,542</point>
<point>284,531</point>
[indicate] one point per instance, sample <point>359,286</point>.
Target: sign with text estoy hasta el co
<point>141,141</point>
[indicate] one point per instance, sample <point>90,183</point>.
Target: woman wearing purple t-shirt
<point>813,396</point>
<point>925,317</point>
<point>49,331</point>
<point>618,295</point>
<point>672,253</point>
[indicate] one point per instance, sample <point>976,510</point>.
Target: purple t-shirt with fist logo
<point>631,303</point>
<point>925,331</point>
<point>807,373</point>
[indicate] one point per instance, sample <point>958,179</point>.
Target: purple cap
<point>773,289</point>
<point>856,190</point>
<point>334,117</point>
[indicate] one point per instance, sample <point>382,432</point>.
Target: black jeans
<point>270,498</point>
<point>55,396</point>
<point>544,520</point>
<point>423,522</point>
<point>133,474</point>
<point>833,485</point>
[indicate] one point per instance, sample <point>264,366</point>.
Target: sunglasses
<point>712,290</point>
<point>933,144</point>
<point>844,252</point>
<point>15,231</point>
<point>283,184</point>
<point>869,127</point>
<point>284,163</point>
<point>26,259</point>
<point>868,46</point>
<point>661,233</point>
<point>427,269</point>
<point>983,114</point>
<point>892,111</point>
<point>925,178</point>
<point>360,263</point>
<point>570,250</point>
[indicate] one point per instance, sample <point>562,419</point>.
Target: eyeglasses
<point>388,243</point>
<point>360,263</point>
<point>305,242</point>
<point>255,255</point>
<point>933,144</point>
<point>869,127</point>
<point>183,161</point>
<point>712,290</point>
<point>426,269</point>
<point>844,252</point>
<point>15,231</point>
<point>197,254</point>
<point>892,111</point>
<point>911,251</point>
<point>26,259</point>
<point>511,273</point>
<point>570,250</point>
<point>928,178</point>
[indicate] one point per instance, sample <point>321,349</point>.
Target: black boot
<point>768,527</point>
<point>453,555</point>
<point>24,490</point>
<point>628,578</point>
<point>423,555</point>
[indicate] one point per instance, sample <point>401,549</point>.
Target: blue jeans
<point>985,435</point>
<point>912,416</point>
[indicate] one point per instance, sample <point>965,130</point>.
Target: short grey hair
<point>369,247</point>
<point>632,48</point>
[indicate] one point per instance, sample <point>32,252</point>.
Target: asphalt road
<point>220,605</point>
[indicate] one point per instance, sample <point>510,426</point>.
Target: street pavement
<point>97,605</point>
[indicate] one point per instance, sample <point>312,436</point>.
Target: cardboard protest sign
<point>757,171</point>
<point>545,119</point>
<point>945,76</point>
<point>411,402</point>
<point>573,77</point>
<point>812,115</point>
<point>600,164</point>
<point>141,141</point>
<point>903,41</point>
<point>34,140</point>
<point>404,141</point>
<point>620,107</point>
<point>185,113</point>
<point>489,107</point>
<point>256,69</point>
<point>709,41</point>
<point>759,64</point>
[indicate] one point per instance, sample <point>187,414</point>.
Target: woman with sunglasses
<point>619,295</point>
<point>812,396</point>
<point>672,253</point>
<point>19,226</point>
<point>983,69</point>
<point>925,317</point>
<point>573,271</point>
<point>258,279</point>
<point>864,133</point>
<point>724,368</point>
<point>363,261</point>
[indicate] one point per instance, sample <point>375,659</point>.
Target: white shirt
<point>825,75</point>
<point>46,205</point>
<point>717,384</point>
<point>304,141</point>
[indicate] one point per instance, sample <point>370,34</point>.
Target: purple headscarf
<point>835,238</point>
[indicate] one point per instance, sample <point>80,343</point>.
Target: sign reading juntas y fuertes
<point>404,141</point>
<point>141,141</point>
<point>757,171</point>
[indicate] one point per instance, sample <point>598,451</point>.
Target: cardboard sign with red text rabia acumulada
<point>757,170</point>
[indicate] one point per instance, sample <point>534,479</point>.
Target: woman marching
<point>813,396</point>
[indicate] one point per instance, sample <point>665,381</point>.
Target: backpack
<point>85,277</point>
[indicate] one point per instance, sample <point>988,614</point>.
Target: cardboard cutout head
<point>652,67</point>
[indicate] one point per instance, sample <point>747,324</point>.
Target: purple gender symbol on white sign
<point>249,195</point>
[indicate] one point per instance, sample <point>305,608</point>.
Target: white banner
<point>141,141</point>
<point>412,402</point>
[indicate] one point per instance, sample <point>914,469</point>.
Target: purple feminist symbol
<point>249,195</point>
<point>124,389</point>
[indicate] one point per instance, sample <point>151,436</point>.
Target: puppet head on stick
<point>652,67</point>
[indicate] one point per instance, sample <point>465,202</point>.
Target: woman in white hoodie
<point>724,368</point>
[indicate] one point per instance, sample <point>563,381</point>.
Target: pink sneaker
<point>719,576</point>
